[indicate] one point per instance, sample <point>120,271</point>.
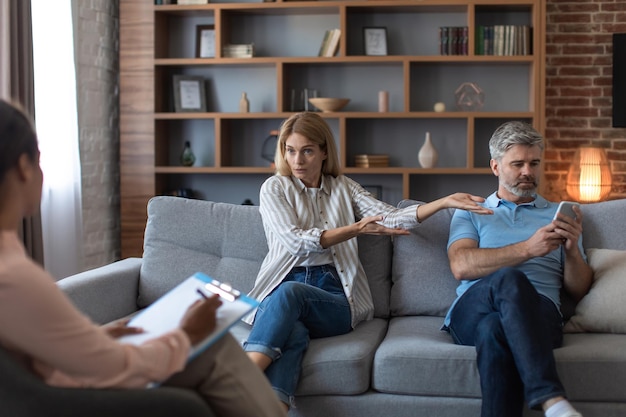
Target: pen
<point>202,294</point>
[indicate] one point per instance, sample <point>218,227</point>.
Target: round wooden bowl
<point>329,104</point>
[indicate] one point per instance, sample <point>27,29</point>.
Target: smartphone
<point>565,207</point>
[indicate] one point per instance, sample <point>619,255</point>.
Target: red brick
<point>614,27</point>
<point>569,122</point>
<point>568,102</point>
<point>579,27</point>
<point>603,81</point>
<point>583,50</point>
<point>604,101</point>
<point>571,82</point>
<point>600,122</point>
<point>581,92</point>
<point>591,71</point>
<point>570,18</point>
<point>570,60</point>
<point>618,6</point>
<point>560,6</point>
<point>604,17</point>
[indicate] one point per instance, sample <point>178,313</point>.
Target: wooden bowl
<point>328,104</point>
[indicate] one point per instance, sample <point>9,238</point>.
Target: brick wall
<point>579,88</point>
<point>96,34</point>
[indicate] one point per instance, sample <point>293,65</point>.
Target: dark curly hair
<point>17,136</point>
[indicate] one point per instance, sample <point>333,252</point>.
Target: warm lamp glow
<point>589,176</point>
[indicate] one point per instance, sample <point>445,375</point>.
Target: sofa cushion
<point>183,236</point>
<point>375,255</point>
<point>340,365</point>
<point>603,226</point>
<point>603,309</point>
<point>423,283</point>
<point>416,358</point>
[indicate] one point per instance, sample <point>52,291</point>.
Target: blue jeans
<point>309,303</point>
<point>514,329</point>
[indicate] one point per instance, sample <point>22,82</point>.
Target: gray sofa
<point>398,364</point>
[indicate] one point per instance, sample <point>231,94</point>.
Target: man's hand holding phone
<point>566,208</point>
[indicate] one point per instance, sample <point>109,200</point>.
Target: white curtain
<point>57,129</point>
<point>5,48</point>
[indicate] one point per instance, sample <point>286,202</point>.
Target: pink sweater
<point>44,329</point>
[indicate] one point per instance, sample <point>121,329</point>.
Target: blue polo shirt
<point>512,223</point>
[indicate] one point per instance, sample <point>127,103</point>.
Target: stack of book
<point>371,161</point>
<point>245,50</point>
<point>330,43</point>
<point>503,40</point>
<point>453,40</point>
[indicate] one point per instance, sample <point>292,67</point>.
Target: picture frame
<point>375,41</point>
<point>375,190</point>
<point>189,93</point>
<point>205,41</point>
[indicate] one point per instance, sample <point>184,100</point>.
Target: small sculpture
<point>469,97</point>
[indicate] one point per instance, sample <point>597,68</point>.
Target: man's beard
<point>519,192</point>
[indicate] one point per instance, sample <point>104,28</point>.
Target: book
<point>333,42</point>
<point>324,44</point>
<point>165,314</point>
<point>245,50</point>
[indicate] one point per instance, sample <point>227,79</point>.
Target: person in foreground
<point>311,283</point>
<point>45,332</point>
<point>512,266</point>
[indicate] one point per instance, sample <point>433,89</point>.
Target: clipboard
<point>165,314</point>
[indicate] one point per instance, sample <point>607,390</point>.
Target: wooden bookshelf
<point>158,41</point>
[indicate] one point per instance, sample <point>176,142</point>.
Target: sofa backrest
<point>423,283</point>
<point>604,225</point>
<point>227,242</point>
<point>422,280</point>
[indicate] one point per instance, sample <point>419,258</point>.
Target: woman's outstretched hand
<point>467,202</point>
<point>369,226</point>
<point>463,201</point>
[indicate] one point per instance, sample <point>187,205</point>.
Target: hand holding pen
<point>200,319</point>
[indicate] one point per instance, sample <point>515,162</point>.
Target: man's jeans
<point>309,303</point>
<point>514,329</point>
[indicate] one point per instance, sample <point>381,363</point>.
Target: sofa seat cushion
<point>416,358</point>
<point>340,365</point>
<point>592,366</point>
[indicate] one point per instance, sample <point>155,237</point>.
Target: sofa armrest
<point>106,293</point>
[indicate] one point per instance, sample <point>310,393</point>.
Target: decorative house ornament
<point>427,155</point>
<point>589,176</point>
<point>469,97</point>
<point>244,104</point>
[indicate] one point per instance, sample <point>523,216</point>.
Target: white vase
<point>427,156</point>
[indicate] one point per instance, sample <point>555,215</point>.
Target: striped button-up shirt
<point>289,223</point>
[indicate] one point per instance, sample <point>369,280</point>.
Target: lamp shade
<point>589,177</point>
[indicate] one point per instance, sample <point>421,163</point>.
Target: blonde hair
<point>313,127</point>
